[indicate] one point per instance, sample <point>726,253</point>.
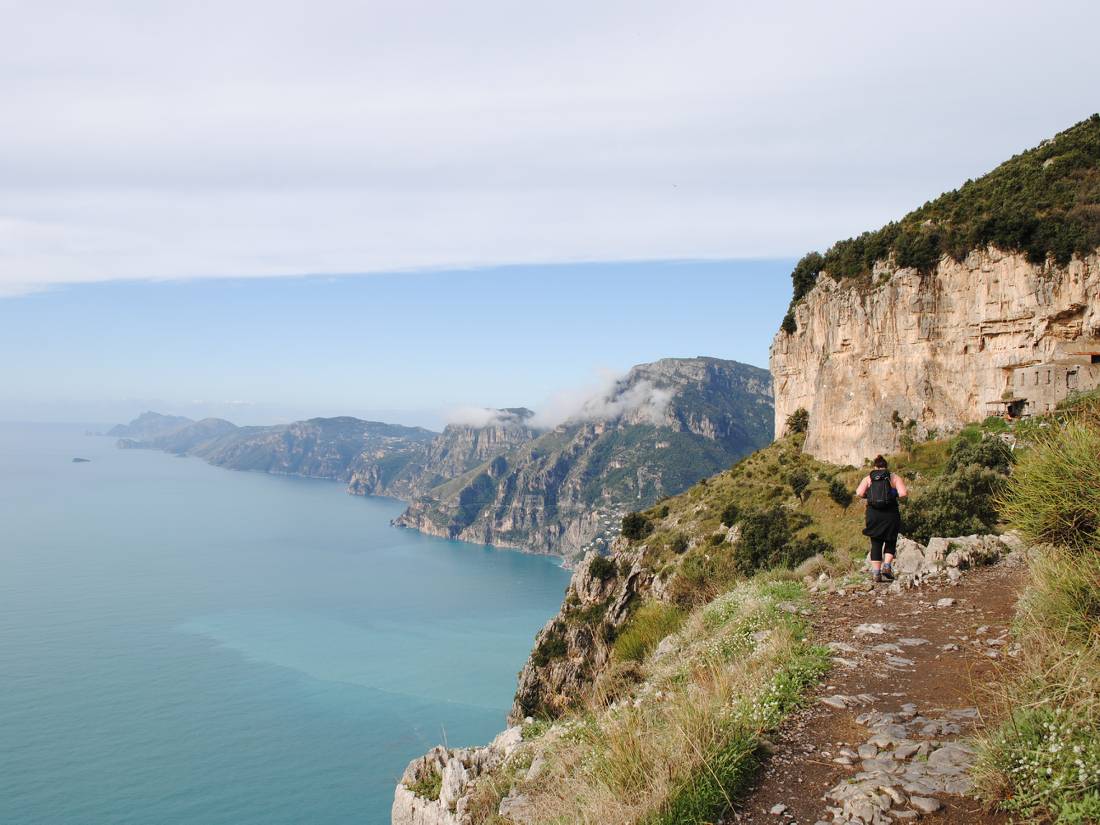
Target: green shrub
<point>645,628</point>
<point>802,548</point>
<point>730,513</point>
<point>798,421</point>
<point>552,646</point>
<point>957,504</point>
<point>717,539</point>
<point>987,452</point>
<point>535,728</point>
<point>602,568</point>
<point>799,479</point>
<point>765,540</point>
<point>839,492</point>
<point>428,786</point>
<point>636,526</point>
<point>678,543</point>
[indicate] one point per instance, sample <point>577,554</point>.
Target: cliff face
<point>656,432</point>
<point>989,335</point>
<point>458,449</point>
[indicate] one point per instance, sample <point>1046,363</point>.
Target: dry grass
<point>680,748</point>
<point>1043,763</point>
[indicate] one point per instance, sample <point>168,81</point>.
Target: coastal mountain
<point>497,478</point>
<point>318,448</point>
<point>149,425</point>
<point>985,301</point>
<point>659,429</point>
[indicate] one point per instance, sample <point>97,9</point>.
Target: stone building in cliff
<point>1033,389</point>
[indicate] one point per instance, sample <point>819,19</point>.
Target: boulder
<point>910,559</point>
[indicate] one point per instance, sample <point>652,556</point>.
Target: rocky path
<point>886,742</point>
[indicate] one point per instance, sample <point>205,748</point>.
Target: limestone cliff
<point>988,334</point>
<point>984,301</point>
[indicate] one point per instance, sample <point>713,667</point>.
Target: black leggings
<point>877,545</point>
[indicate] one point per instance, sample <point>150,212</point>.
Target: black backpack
<point>880,494</point>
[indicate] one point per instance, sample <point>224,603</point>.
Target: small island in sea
<point>79,460</point>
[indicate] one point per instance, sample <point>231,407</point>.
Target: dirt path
<point>886,741</point>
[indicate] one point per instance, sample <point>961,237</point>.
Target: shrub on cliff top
<point>636,526</point>
<point>602,568</point>
<point>1042,202</point>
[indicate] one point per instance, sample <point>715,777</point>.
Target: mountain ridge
<point>657,430</point>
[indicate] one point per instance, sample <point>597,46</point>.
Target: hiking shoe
<point>887,573</point>
<point>877,577</point>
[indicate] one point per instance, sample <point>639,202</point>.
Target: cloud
<point>475,416</point>
<point>606,399</point>
<point>349,137</point>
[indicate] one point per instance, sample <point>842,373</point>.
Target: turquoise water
<point>185,644</point>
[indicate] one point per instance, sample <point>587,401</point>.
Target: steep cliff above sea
<point>658,430</point>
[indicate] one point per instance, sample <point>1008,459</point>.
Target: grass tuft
<point>1042,763</point>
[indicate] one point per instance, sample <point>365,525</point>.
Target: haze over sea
<point>185,644</point>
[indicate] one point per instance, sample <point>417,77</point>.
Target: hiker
<point>882,489</point>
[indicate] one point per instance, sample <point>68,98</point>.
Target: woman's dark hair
<point>879,463</point>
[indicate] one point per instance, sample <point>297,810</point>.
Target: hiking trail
<point>885,740</point>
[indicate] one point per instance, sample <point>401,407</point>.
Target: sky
<point>171,172</point>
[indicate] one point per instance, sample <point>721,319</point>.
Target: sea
<point>181,643</point>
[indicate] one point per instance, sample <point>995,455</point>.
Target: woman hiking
<point>882,489</point>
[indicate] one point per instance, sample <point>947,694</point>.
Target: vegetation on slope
<point>1043,763</point>
<point>1044,202</point>
<point>680,747</point>
<point>667,719</point>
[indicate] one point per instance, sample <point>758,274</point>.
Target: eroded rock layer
<point>992,334</point>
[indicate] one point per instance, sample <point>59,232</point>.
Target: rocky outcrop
<point>660,429</point>
<point>449,774</point>
<point>574,647</point>
<point>987,335</point>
